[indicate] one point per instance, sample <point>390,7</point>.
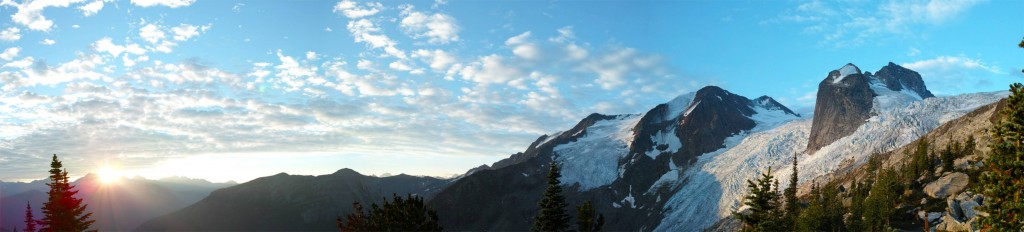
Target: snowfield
<point>593,160</point>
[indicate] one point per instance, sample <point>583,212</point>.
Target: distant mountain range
<point>285,202</point>
<point>119,206</point>
<point>680,166</point>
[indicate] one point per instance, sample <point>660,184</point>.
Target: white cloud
<point>437,28</point>
<point>30,13</point>
<point>352,10</point>
<point>10,34</point>
<point>518,39</point>
<point>167,3</point>
<point>91,8</point>
<point>151,33</point>
<point>107,45</point>
<point>491,69</point>
<point>186,31</point>
<point>10,53</point>
<point>527,51</point>
<point>438,60</point>
<point>48,42</point>
<point>945,63</point>
<point>310,55</point>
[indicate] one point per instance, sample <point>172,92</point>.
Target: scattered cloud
<point>48,42</point>
<point>91,8</point>
<point>10,53</point>
<point>167,3</point>
<point>352,9</point>
<point>437,28</point>
<point>10,34</point>
<point>853,23</point>
<point>946,74</point>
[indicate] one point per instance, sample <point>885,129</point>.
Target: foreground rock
<point>947,185</point>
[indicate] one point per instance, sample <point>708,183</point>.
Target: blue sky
<point>234,90</point>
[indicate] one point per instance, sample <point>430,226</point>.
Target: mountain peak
<point>897,78</point>
<point>769,103</point>
<point>346,171</point>
<point>840,74</point>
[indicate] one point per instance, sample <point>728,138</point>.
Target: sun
<point>108,175</point>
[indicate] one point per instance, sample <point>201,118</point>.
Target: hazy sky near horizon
<point>234,90</point>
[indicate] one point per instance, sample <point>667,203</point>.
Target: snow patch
<point>678,104</point>
<point>689,110</point>
<point>593,159</point>
<point>846,70</point>
<point>666,138</point>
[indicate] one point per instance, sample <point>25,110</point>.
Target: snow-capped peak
<point>677,105</point>
<point>846,70</point>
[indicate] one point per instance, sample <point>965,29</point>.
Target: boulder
<point>968,209</point>
<point>947,185</point>
<point>953,208</point>
<point>951,224</point>
<point>965,163</point>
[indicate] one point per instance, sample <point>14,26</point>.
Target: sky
<point>235,90</point>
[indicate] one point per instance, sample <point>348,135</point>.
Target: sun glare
<point>108,175</point>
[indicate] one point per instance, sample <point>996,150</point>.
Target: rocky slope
<point>290,202</point>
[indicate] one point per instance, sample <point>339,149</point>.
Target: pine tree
<point>399,214</point>
<point>552,215</point>
<point>855,221</point>
<point>948,157</point>
<point>763,201</point>
<point>63,211</point>
<point>792,203</point>
<point>585,218</point>
<point>1003,180</point>
<point>878,206</point>
<point>812,217</point>
<point>30,219</point>
<point>969,146</point>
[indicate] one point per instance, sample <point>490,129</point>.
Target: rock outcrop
<point>897,78</point>
<point>947,185</point>
<point>844,103</point>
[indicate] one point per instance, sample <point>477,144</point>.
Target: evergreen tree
<point>585,218</point>
<point>920,162</point>
<point>824,211</point>
<point>400,214</point>
<point>855,221</point>
<point>552,216</point>
<point>878,206</point>
<point>30,219</point>
<point>63,211</point>
<point>763,201</point>
<point>792,203</point>
<point>1003,179</point>
<point>969,146</point>
<point>812,217</point>
<point>948,157</point>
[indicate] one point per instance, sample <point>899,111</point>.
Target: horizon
<point>233,91</point>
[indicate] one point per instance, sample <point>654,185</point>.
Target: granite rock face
<point>843,104</point>
<point>898,78</point>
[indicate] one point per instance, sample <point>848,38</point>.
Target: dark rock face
<point>842,106</point>
<point>290,203</point>
<point>897,78</point>
<point>717,114</point>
